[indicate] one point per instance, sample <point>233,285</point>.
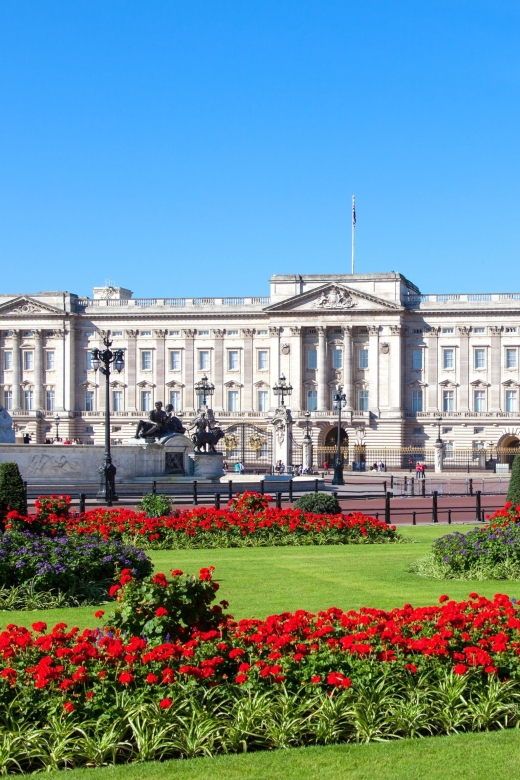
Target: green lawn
<point>493,756</point>
<point>262,581</point>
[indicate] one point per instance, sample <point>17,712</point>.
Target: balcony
<point>187,304</point>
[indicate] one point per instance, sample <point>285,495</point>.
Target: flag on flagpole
<point>353,212</point>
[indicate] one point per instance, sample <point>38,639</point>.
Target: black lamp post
<point>282,389</point>
<point>204,390</point>
<point>57,420</point>
<point>339,403</point>
<point>439,421</point>
<point>103,360</point>
<point>307,416</point>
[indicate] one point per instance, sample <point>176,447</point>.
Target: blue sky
<point>195,147</point>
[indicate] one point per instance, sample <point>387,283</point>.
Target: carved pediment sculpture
<point>335,298</point>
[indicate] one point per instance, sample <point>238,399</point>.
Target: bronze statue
<point>161,422</point>
<point>206,436</point>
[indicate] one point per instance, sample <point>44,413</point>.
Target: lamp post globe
<point>439,421</point>
<point>282,389</point>
<point>204,390</point>
<point>103,360</point>
<point>57,420</point>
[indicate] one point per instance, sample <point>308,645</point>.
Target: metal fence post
<point>405,483</point>
<point>290,490</point>
<point>423,487</point>
<point>470,481</point>
<point>82,497</point>
<point>478,505</point>
<point>154,488</point>
<point>262,487</point>
<point>391,481</point>
<point>412,482</point>
<point>387,507</point>
<point>195,496</point>
<point>449,516</point>
<point>414,521</point>
<point>278,500</point>
<point>230,489</point>
<point>217,500</point>
<point>315,485</point>
<point>435,515</point>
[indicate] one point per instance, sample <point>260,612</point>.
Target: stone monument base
<point>206,465</point>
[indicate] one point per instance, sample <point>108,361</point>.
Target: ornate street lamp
<point>439,421</point>
<point>282,389</point>
<point>57,420</point>
<point>339,402</point>
<point>102,360</point>
<point>204,390</point>
<point>307,416</point>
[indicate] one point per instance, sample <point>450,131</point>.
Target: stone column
<point>307,453</point>
<point>464,401</point>
<point>160,365</point>
<point>130,369</point>
<point>17,364</point>
<point>495,358</point>
<point>70,363</point>
<point>348,382</point>
<point>295,373</point>
<point>438,454</point>
<point>218,369</point>
<point>247,399</point>
<point>373,369</point>
<point>189,370</point>
<point>432,373</point>
<point>395,373</point>
<point>322,369</point>
<point>59,358</point>
<point>274,357</point>
<point>38,370</point>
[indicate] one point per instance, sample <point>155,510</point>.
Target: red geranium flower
<point>69,707</point>
<point>161,612</point>
<point>126,678</point>
<point>165,704</point>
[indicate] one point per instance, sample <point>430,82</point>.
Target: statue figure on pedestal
<point>6,427</point>
<point>207,433</point>
<point>161,422</point>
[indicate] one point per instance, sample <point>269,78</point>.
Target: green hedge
<point>319,503</point>
<point>513,494</point>
<point>12,491</point>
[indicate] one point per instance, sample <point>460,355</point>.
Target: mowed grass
<point>493,756</point>
<point>261,581</point>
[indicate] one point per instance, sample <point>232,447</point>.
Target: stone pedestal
<point>439,451</point>
<point>307,453</point>
<point>206,465</point>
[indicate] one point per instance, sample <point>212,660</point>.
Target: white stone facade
<point>401,357</point>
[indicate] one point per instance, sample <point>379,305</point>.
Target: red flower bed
<point>247,521</point>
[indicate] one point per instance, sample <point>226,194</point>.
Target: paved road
<point>463,509</point>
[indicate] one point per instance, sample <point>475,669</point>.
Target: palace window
<point>511,401</point>
<point>146,360</point>
<point>448,358</point>
<point>28,360</point>
<point>232,332</point>
<point>478,430</point>
<point>448,401</point>
<point>261,333</point>
<point>8,400</point>
<point>49,400</point>
<point>145,332</point>
<point>263,400</point>
<point>117,334</point>
<point>88,361</point>
<point>146,400</point>
<point>418,431</point>
<point>8,361</point>
<point>447,330</point>
<point>312,400</point>
<point>175,360</point>
<point>233,363</point>
<point>480,400</point>
<point>417,400</point>
<point>511,361</point>
<point>262,360</point>
<point>203,332</point>
<point>480,358</point>
<point>49,360</point>
<point>417,359</point>
<point>363,358</point>
<point>479,330</point>
<point>89,401</point>
<point>174,333</point>
<point>510,330</point>
<point>337,358</point>
<point>312,359</point>
<point>175,400</point>
<point>232,400</point>
<point>28,398</point>
<point>417,331</point>
<point>204,360</point>
<point>448,450</point>
<point>363,400</point>
<point>117,400</point>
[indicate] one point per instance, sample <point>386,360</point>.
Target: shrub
<point>513,494</point>
<point>319,503</point>
<point>12,491</point>
<point>77,568</point>
<point>157,607</point>
<point>155,505</point>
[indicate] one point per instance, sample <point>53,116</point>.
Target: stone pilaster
<point>218,369</point>
<point>432,371</point>
<point>395,374</point>
<point>17,364</point>
<point>130,369</point>
<point>295,373</point>
<point>247,398</point>
<point>464,401</point>
<point>348,379</point>
<point>322,369</point>
<point>59,359</point>
<point>38,370</point>
<point>496,363</point>
<point>160,365</point>
<point>189,369</point>
<point>70,362</point>
<point>373,369</point>
<point>274,363</point>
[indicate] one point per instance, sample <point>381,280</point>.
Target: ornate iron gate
<point>249,445</point>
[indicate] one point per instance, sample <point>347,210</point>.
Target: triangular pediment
<point>23,305</point>
<point>333,297</point>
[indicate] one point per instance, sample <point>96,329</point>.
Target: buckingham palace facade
<point>404,360</point>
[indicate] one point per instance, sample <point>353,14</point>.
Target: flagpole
<point>353,229</point>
